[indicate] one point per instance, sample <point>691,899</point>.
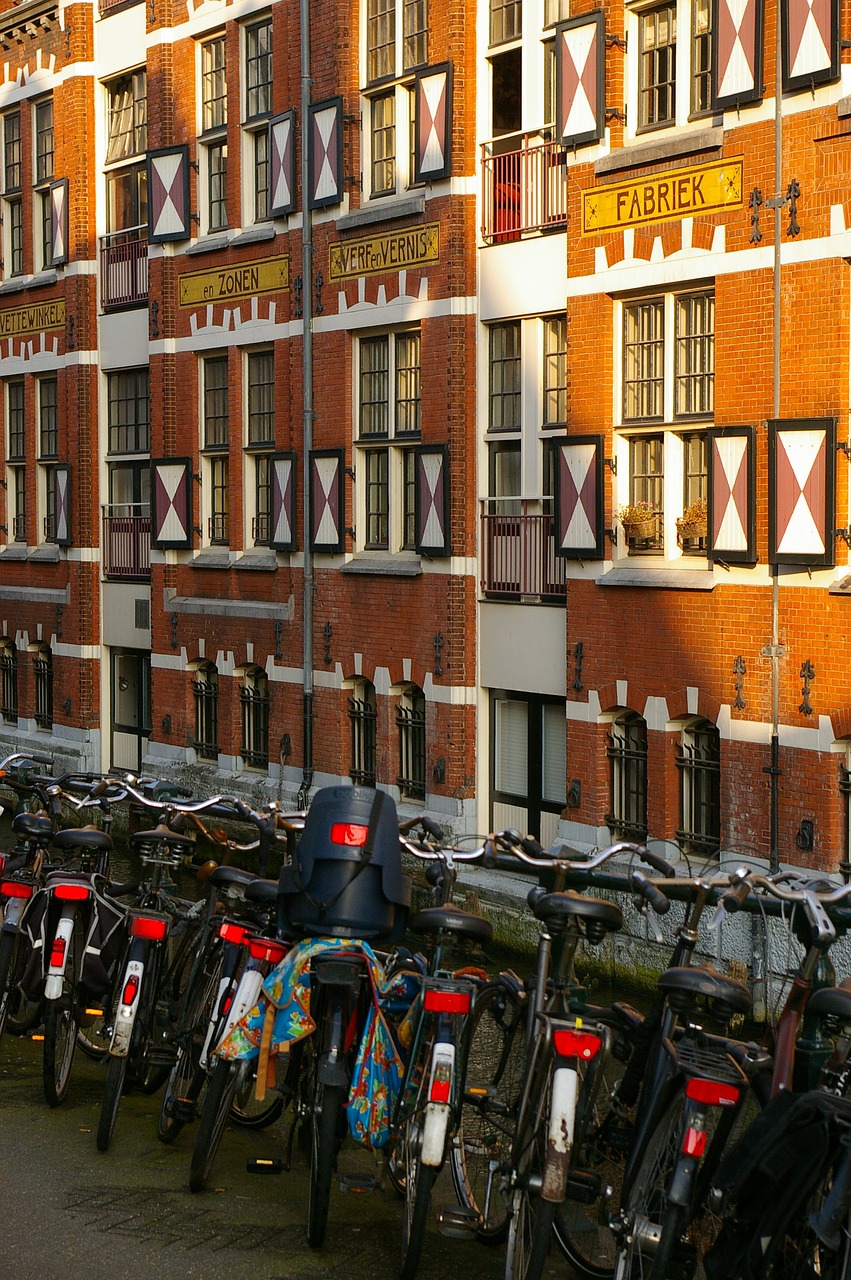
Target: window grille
<point>205,690</point>
<point>254,704</point>
<point>9,683</point>
<point>363,718</point>
<point>627,752</point>
<point>699,762</point>
<point>411,722</point>
<point>43,670</point>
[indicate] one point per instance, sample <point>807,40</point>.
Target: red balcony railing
<point>124,267</point>
<point>518,551</point>
<point>524,187</point>
<point>126,547</point>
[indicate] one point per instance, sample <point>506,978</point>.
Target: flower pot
<point>690,529</point>
<point>641,528</point>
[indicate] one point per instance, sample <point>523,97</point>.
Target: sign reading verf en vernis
<point>33,319</point>
<point>369,255</point>
<point>245,280</point>
<point>662,197</point>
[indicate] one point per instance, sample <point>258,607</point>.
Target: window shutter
<point>283,502</point>
<point>511,742</point>
<point>62,475</point>
<point>810,43</point>
<point>59,222</point>
<point>325,153</point>
<point>801,491</point>
<point>171,490</point>
<point>433,123</point>
<point>326,500</point>
<point>431,500</point>
<point>579,497</point>
<point>581,79</point>
<point>738,34</point>
<point>731,505</point>
<point>554,752</point>
<point>168,195</point>
<point>282,164</point>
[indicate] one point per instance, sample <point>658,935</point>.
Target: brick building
<point>332,359</point>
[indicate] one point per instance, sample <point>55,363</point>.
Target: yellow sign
<point>664,197</point>
<point>370,255</point>
<point>224,284</point>
<point>34,319</point>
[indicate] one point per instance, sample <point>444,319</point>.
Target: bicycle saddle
<point>81,838</point>
<point>699,982</point>
<point>451,920</point>
<point>830,1002</point>
<point>555,910</point>
<point>33,826</point>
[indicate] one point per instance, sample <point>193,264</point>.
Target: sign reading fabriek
<point>224,284</point>
<point>34,319</point>
<point>663,197</point>
<point>370,255</point>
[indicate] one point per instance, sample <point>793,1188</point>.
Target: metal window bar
<point>699,762</point>
<point>627,751</point>
<point>9,684</point>
<point>524,189</point>
<point>126,545</point>
<point>254,703</point>
<point>124,267</point>
<point>363,717</point>
<point>43,670</point>
<point>518,552</point>
<point>412,726</point>
<point>205,690</point>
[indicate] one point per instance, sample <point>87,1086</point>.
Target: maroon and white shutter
<point>581,79</point>
<point>325,153</point>
<point>579,497</point>
<point>62,496</point>
<point>738,37</point>
<point>171,492</point>
<point>810,43</point>
<point>801,491</point>
<point>283,537</point>
<point>326,500</point>
<point>282,164</point>
<point>433,123</point>
<point>168,195</point>
<point>732,505</point>
<point>59,222</point>
<point>431,500</point>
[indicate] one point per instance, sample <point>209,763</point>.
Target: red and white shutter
<point>282,164</point>
<point>433,123</point>
<point>732,507</point>
<point>325,153</point>
<point>738,35</point>
<point>171,490</point>
<point>59,222</point>
<point>326,500</point>
<point>579,497</point>
<point>581,79</point>
<point>62,496</point>
<point>283,502</point>
<point>168,195</point>
<point>801,491</point>
<point>810,43</point>
<point>431,500</point>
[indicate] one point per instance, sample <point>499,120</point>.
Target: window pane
<point>555,371</point>
<point>12,151</point>
<point>511,746</point>
<point>374,386</point>
<point>383,143</point>
<point>15,410</point>
<point>505,377</point>
<point>129,411</point>
<point>701,56</point>
<point>415,34</point>
<point>380,39</point>
<point>377,498</point>
<point>258,69</point>
<point>217,166</point>
<point>695,355</point>
<point>214,113</point>
<point>506,20</point>
<point>215,402</point>
<point>260,143</point>
<point>127,125</point>
<point>261,397</point>
<point>643,360</point>
<point>554,751</point>
<point>657,65</point>
<point>44,140</point>
<point>47,421</point>
<point>407,382</point>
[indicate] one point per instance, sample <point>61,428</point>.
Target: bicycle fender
<point>58,957</point>
<point>128,1005</point>
<point>12,913</point>
<point>247,996</point>
<point>682,1183</point>
<point>435,1126</point>
<point>562,1124</point>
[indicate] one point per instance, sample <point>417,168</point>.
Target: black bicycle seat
<point>91,838</point>
<point>33,826</point>
<point>703,982</point>
<point>433,920</point>
<point>555,910</point>
<point>830,1002</point>
<point>263,893</point>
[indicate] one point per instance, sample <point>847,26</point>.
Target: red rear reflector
<point>233,932</point>
<point>266,949</point>
<point>447,1001</point>
<point>694,1142</point>
<point>2,860</point>
<point>350,833</point>
<point>57,952</point>
<point>576,1044</point>
<point>71,892</point>
<point>712,1093</point>
<point>148,927</point>
<point>16,889</point>
<point>131,990</point>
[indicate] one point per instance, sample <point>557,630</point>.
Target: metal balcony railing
<point>126,545</point>
<point>124,267</point>
<point>524,186</point>
<point>518,551</point>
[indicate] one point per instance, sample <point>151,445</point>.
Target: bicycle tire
<point>61,1024</point>
<point>113,1089</point>
<point>186,1078</point>
<point>93,1040</point>
<point>797,1253</point>
<point>419,1184</point>
<point>12,958</point>
<point>325,1133</point>
<point>647,1202</point>
<point>211,1127</point>
<point>531,1224</point>
<point>495,1066</point>
<point>245,1110</point>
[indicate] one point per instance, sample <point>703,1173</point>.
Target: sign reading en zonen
<point>679,193</point>
<point>370,255</point>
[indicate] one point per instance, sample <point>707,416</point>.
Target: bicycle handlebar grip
<point>433,829</point>
<point>657,863</point>
<point>731,899</point>
<point>182,793</point>
<point>38,758</point>
<point>652,893</point>
<point>531,846</point>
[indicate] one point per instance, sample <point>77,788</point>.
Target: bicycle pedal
<point>457,1223</point>
<point>583,1186</point>
<point>163,1057</point>
<point>259,1165</point>
<point>182,1109</point>
<point>360,1184</point>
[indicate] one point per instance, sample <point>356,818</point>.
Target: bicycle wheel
<point>330,1099</point>
<point>531,1225</point>
<point>246,1110</point>
<point>61,1023</point>
<point>13,954</point>
<point>187,1076</point>
<point>494,1076</point>
<point>214,1116</point>
<point>647,1202</point>
<point>797,1253</point>
<point>113,1090</point>
<point>419,1183</point>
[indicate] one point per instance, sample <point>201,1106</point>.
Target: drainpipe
<point>307,381</point>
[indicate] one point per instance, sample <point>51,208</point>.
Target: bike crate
<point>346,879</point>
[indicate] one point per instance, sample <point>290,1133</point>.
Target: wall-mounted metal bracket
<point>617,42</point>
<point>844,446</point>
<point>613,534</point>
<point>612,464</point>
<point>615,113</point>
<point>844,534</point>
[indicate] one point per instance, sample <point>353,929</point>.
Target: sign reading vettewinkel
<point>664,197</point>
<point>245,280</point>
<point>369,255</point>
<point>32,319</point>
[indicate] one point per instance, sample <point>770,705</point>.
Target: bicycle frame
<point>149,932</point>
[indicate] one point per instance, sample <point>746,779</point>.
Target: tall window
<point>411,722</point>
<point>529,763</point>
<point>13,216</point>
<point>701,57</point>
<point>389,419</point>
<point>127,141</point>
<point>657,31</point>
<point>694,373</point>
<point>555,371</point>
<point>396,45</point>
<point>128,416</point>
<point>363,718</point>
<point>214,118</point>
<point>657,66</point>
<point>48,451</point>
<point>258,108</point>
<point>627,752</point>
<point>43,176</point>
<point>699,763</point>
<point>214,443</point>
<point>8,681</point>
<point>505,384</point>
<point>254,703</point>
<point>506,20</point>
<point>260,418</point>
<point>205,691</point>
<point>43,687</point>
<point>647,486</point>
<point>16,471</point>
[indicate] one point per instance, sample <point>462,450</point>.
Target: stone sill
<point>660,150</point>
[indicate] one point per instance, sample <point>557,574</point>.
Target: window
<point>48,451</point>
<point>127,521</point>
<point>504,412</point>
<point>43,176</point>
<point>396,45</point>
<point>43,687</point>
<point>701,57</point>
<point>411,722</point>
<point>13,217</point>
<point>529,763</point>
<point>699,763</point>
<point>657,66</point>
<point>506,20</point>
<point>555,371</point>
<point>254,703</point>
<point>658,63</point>
<point>627,752</point>
<point>129,411</point>
<point>363,717</point>
<point>258,108</point>
<point>214,443</point>
<point>16,494</point>
<point>127,116</point>
<point>214,118</point>
<point>389,417</point>
<point>9,682</point>
<point>646,486</point>
<point>124,248</point>
<point>205,691</point>
<point>260,418</point>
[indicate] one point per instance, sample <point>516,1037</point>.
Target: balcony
<point>524,187</point>
<point>124,268</point>
<point>519,561</point>
<point>126,542</point>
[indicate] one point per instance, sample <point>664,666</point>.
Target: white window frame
<point>684,116</point>
<point>41,206</point>
<point>211,455</point>
<point>254,127</point>
<point>399,84</point>
<point>210,139</point>
<point>46,462</point>
<point>252,451</point>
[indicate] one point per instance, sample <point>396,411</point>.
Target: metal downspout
<point>307,380</point>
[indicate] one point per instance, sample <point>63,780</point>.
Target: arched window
<point>627,752</point>
<point>363,717</point>
<point>411,721</point>
<point>254,701</point>
<point>9,681</point>
<point>43,671</point>
<point>205,690</point>
<point>699,763</point>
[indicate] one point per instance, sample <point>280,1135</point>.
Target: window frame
<point>255,703</point>
<point>388,426</point>
<point>259,445</point>
<point>43,174</point>
<point>411,724</point>
<point>626,749</point>
<point>698,760</point>
<point>215,447</point>
<point>363,726</point>
<point>205,693</point>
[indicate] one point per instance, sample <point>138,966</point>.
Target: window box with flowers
<point>692,524</point>
<point>638,520</point>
